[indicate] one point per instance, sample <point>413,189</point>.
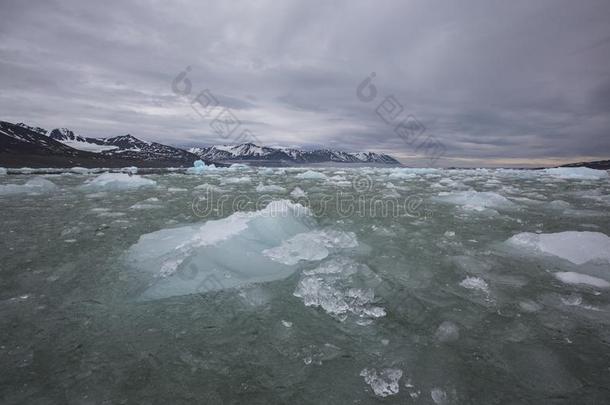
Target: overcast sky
<point>493,82</point>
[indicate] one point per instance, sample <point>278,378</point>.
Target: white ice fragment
<point>475,200</point>
<point>383,383</point>
<point>570,277</point>
<point>199,167</point>
<point>311,246</point>
<point>177,190</point>
<point>37,185</point>
<point>236,180</point>
<point>311,175</point>
<point>447,332</point>
<point>529,306</point>
<point>298,193</point>
<point>80,170</point>
<point>201,258</point>
<point>475,283</point>
<point>287,324</point>
<point>117,182</point>
<point>270,188</point>
<point>438,396</point>
<point>335,288</point>
<point>558,204</point>
<point>576,247</point>
<point>209,188</point>
<point>577,173</point>
<point>401,174</point>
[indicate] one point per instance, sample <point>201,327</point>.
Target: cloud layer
<point>497,83</point>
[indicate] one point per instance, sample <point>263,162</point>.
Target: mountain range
<point>252,152</point>
<point>23,145</point>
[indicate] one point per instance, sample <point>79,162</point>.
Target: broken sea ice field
<point>305,285</point>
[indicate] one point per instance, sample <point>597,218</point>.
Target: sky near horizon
<point>493,83</point>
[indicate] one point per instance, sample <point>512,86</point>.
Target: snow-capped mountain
<point>23,145</point>
<point>125,146</point>
<point>22,139</point>
<point>250,151</point>
<point>26,139</point>
<point>68,137</point>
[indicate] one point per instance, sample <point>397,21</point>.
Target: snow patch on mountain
<point>250,151</point>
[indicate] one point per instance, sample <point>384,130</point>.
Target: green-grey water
<point>425,302</point>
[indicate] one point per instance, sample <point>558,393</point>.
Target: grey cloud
<point>490,79</point>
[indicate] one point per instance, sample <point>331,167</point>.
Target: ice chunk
<point>149,203</point>
<point>475,200</point>
<point>2,171</point>
<point>312,245</point>
<point>439,396</point>
<point>209,188</point>
<point>341,287</point>
<point>199,167</point>
<point>37,185</point>
<point>311,175</point>
<point>81,170</point>
<point>570,277</point>
<point>384,382</point>
<point>400,174</point>
<point>475,283</point>
<point>270,188</point>
<point>298,193</point>
<point>117,182</point>
<point>236,180</point>
<point>447,332</point>
<point>218,254</point>
<point>558,204</point>
<point>578,173</point>
<point>576,247</point>
<point>529,306</point>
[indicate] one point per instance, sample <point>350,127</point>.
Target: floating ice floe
<point>37,185</point>
<point>447,332</point>
<point>475,283</point>
<point>313,245</point>
<point>218,254</point>
<point>570,277</point>
<point>439,396</point>
<point>383,383</point>
<point>558,205</point>
<point>209,188</point>
<point>199,167</point>
<point>2,171</point>
<point>475,200</point>
<point>269,188</point>
<point>577,173</point>
<point>80,170</point>
<point>117,182</point>
<point>298,193</point>
<point>576,247</point>
<point>311,175</point>
<point>401,175</point>
<point>176,190</point>
<point>529,306</point>
<point>149,203</point>
<point>342,288</point>
<point>236,180</point>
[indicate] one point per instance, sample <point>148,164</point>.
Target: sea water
<point>305,285</point>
